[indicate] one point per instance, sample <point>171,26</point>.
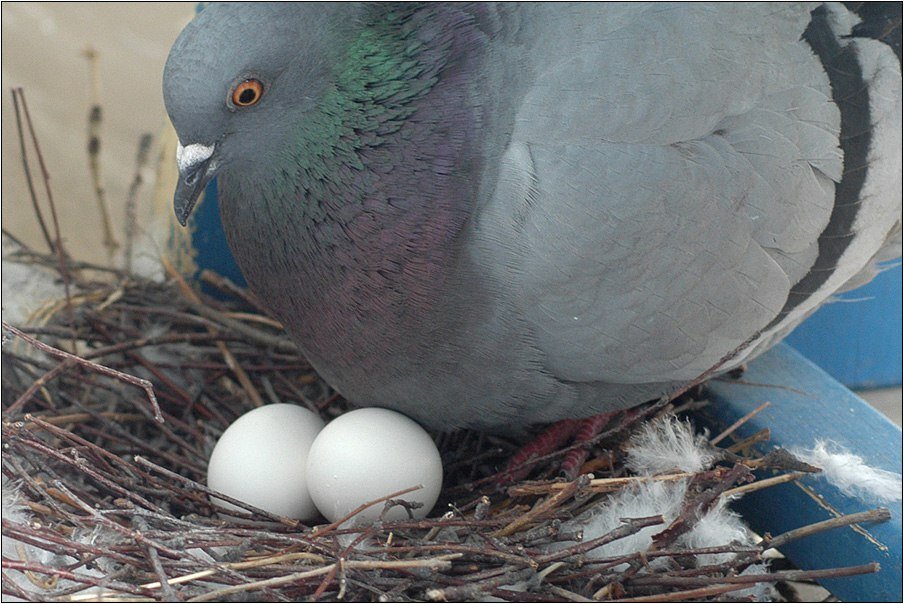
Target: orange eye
<point>247,93</point>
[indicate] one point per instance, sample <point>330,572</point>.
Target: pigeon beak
<point>197,166</point>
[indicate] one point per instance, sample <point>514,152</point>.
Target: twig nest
<point>260,459</point>
<point>368,454</point>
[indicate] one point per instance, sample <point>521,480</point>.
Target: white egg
<point>370,453</point>
<point>260,459</point>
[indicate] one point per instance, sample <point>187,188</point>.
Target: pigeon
<point>492,216</point>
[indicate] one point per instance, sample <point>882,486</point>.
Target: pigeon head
<point>237,75</point>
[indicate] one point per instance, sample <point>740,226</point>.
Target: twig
<point>762,484</point>
<point>322,530</point>
<point>738,424</point>
<point>61,354</point>
<point>28,178</point>
<point>290,522</point>
<point>95,118</point>
<point>434,564</point>
<point>166,589</point>
<point>38,384</point>
<point>231,362</point>
<point>541,509</point>
<point>141,160</point>
<point>225,285</point>
<point>690,595</point>
<point>596,485</point>
<point>875,515</point>
<point>781,575</point>
<point>756,437</point>
<point>58,238</point>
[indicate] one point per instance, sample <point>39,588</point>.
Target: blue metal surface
<point>807,405</point>
<point>210,250</point>
<point>858,343</point>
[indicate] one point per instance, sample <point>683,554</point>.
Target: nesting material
<point>851,474</point>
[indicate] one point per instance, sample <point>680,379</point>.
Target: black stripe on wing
<point>851,93</point>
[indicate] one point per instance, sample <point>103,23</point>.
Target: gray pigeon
<point>491,216</point>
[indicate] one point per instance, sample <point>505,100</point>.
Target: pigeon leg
<point>581,432</point>
<point>545,443</point>
<point>587,428</point>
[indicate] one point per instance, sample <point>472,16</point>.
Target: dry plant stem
<point>95,119</point>
<point>141,161</point>
<point>166,589</point>
<point>875,515</point>
<point>58,238</point>
<point>75,418</point>
<point>53,571</point>
<point>320,531</point>
<point>227,286</point>
<point>290,522</point>
<point>38,384</point>
<point>28,178</point>
<point>438,563</point>
<point>234,366</point>
<point>690,595</point>
<point>541,509</point>
<point>276,342</point>
<point>760,436</point>
<point>763,484</point>
<point>781,575</point>
<point>60,354</point>
<point>477,590</point>
<point>738,424</point>
<point>630,526</point>
<point>596,485</point>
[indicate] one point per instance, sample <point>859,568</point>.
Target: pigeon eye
<point>247,93</point>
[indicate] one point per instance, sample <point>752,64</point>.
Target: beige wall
<point>42,52</point>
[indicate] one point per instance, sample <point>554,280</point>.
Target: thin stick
<point>95,119</point>
<point>320,531</point>
<point>141,160</point>
<point>290,522</point>
<point>28,177</point>
<point>738,423</point>
<point>876,515</point>
<point>439,563</point>
<point>760,436</point>
<point>60,251</point>
<point>62,354</point>
<point>762,484</point>
<point>38,384</point>
<point>689,595</point>
<point>597,485</point>
<point>230,359</point>
<point>568,491</point>
<point>169,594</point>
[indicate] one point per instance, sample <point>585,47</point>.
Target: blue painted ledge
<point>807,404</point>
<point>857,338</point>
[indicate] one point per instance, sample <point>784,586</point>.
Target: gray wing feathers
<point>657,217</point>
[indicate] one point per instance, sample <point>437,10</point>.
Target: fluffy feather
<point>719,526</point>
<point>851,474</point>
<point>668,443</point>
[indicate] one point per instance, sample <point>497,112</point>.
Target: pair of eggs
<point>282,459</point>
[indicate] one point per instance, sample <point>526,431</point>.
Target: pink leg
<point>546,442</point>
<point>587,429</point>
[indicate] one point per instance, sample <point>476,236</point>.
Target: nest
<point>115,395</point>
